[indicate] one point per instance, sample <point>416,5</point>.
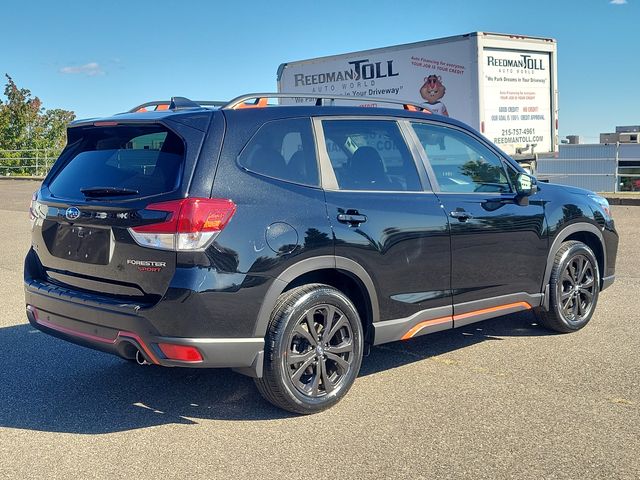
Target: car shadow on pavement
<point>50,385</point>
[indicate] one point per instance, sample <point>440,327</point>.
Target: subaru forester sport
<point>284,240</point>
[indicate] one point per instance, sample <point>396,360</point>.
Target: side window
<point>283,149</point>
<point>460,162</point>
<point>370,155</point>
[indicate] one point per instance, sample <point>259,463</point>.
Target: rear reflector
<point>183,353</point>
<point>191,224</point>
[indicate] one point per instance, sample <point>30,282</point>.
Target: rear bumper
<point>118,329</point>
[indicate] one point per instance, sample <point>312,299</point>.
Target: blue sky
<point>98,58</point>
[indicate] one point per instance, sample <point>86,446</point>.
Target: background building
<point>613,165</point>
<point>623,134</point>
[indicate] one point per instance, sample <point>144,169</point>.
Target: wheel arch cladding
<point>341,273</point>
<point>586,233</point>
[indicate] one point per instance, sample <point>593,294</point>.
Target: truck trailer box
<point>505,86</point>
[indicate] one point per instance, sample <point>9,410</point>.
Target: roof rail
<point>258,100</point>
<point>176,103</point>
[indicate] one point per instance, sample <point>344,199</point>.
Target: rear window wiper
<point>107,191</point>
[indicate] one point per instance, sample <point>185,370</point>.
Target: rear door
<point>498,243</point>
<point>97,191</point>
<point>385,217</point>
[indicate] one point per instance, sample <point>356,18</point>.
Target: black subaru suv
<point>282,241</point>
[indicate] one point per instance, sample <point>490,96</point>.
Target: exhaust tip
<point>141,359</point>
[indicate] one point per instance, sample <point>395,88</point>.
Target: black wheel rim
<point>320,351</point>
<point>577,289</point>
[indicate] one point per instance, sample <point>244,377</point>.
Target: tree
<point>54,127</point>
<point>26,125</point>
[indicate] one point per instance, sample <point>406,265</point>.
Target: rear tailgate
<point>98,189</point>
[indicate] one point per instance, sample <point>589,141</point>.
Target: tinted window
<point>145,159</point>
<point>370,155</point>
<point>460,162</point>
<point>283,149</point>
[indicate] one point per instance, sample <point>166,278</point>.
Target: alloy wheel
<point>577,288</point>
<point>320,351</point>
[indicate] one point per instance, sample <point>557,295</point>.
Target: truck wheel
<point>573,288</point>
<point>313,349</point>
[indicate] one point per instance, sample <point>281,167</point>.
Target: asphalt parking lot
<point>499,399</point>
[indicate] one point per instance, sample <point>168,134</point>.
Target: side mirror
<point>526,185</point>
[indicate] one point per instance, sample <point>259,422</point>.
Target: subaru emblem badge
<point>72,213</point>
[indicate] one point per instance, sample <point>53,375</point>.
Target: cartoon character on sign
<point>432,91</point>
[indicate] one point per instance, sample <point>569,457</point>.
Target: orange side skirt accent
<point>437,321</point>
<point>416,328</point>
<point>524,305</point>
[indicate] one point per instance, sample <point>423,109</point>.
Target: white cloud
<point>90,69</point>
<point>618,2</point>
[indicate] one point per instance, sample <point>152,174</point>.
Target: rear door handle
<point>353,219</point>
<point>460,215</point>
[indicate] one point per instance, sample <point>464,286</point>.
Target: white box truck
<point>505,86</point>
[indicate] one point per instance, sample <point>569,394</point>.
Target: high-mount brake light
<point>190,224</point>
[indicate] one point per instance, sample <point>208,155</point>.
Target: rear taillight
<point>191,224</point>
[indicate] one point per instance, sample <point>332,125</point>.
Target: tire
<point>573,288</point>
<point>309,371</point>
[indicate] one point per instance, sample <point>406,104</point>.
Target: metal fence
<point>35,162</point>
<point>600,168</point>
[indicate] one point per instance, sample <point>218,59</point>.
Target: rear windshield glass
<point>128,160</point>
